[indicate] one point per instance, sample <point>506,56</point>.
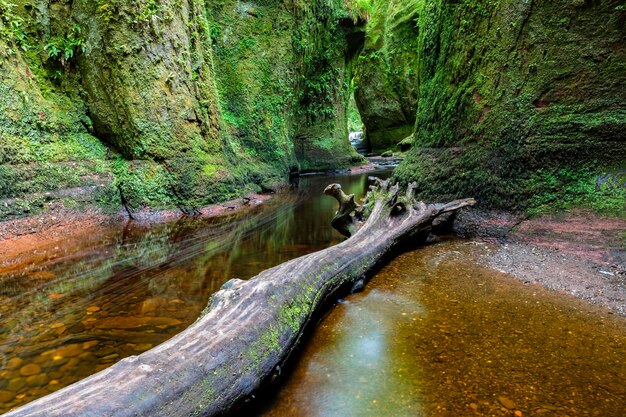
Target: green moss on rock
<point>386,75</point>
<point>511,90</point>
<point>168,104</point>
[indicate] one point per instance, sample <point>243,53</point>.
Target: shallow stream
<point>434,334</point>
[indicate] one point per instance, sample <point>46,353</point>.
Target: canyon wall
<point>386,74</point>
<point>519,102</point>
<point>160,104</point>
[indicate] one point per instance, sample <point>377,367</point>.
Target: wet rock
<point>14,363</point>
<point>507,403</point>
<point>56,374</point>
<point>151,305</point>
<point>69,351</point>
<point>136,322</point>
<point>76,328</point>
<point>105,352</point>
<point>38,392</point>
<point>58,361</point>
<point>55,296</point>
<point>110,358</point>
<point>87,357</point>
<point>16,384</point>
<point>88,345</point>
<point>6,396</point>
<point>69,365</point>
<point>30,369</point>
<point>66,351</point>
<point>143,347</point>
<point>39,360</point>
<point>37,380</point>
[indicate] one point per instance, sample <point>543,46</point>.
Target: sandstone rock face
<point>519,102</point>
<point>171,103</point>
<point>386,75</point>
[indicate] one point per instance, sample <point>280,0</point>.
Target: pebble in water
<point>16,384</point>
<point>30,369</point>
<point>6,396</point>
<point>14,363</point>
<point>37,380</point>
<point>90,344</point>
<point>507,403</point>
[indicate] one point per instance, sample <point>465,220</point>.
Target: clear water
<point>434,334</point>
<point>79,307</point>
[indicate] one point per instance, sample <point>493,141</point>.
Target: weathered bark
<point>249,328</point>
<point>344,221</point>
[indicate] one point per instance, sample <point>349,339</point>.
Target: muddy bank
<point>578,253</point>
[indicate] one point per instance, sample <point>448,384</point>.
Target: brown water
<point>436,334</point>
<point>88,303</point>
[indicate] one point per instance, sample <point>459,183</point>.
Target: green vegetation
<point>355,124</point>
<point>360,9</point>
<point>325,54</point>
<point>386,73</point>
<point>184,109</point>
<point>66,47</point>
<point>161,109</point>
<point>581,189</point>
<point>11,28</point>
<point>516,91</point>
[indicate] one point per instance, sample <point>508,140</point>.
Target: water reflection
<point>435,334</point>
<point>81,306</point>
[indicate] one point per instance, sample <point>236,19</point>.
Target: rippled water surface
<point>83,305</point>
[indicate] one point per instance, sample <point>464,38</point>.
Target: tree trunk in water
<point>249,328</point>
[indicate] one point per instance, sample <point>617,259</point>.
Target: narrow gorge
<point>164,230</point>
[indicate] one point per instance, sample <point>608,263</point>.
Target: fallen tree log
<point>249,328</point>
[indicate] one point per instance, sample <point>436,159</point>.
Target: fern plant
<point>67,47</point>
<point>11,26</point>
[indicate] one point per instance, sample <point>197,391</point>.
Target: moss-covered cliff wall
<point>325,55</point>
<point>518,101</point>
<point>47,154</point>
<point>386,73</point>
<point>169,103</point>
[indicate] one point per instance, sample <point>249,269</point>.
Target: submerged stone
<point>30,369</point>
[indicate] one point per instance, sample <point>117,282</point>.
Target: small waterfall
<point>356,139</point>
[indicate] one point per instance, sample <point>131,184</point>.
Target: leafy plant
<point>146,11</point>
<point>11,26</point>
<point>65,48</point>
<point>566,188</point>
<point>361,9</point>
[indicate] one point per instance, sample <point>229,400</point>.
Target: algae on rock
<point>325,51</point>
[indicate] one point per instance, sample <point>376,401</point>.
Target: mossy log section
<point>248,330</point>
